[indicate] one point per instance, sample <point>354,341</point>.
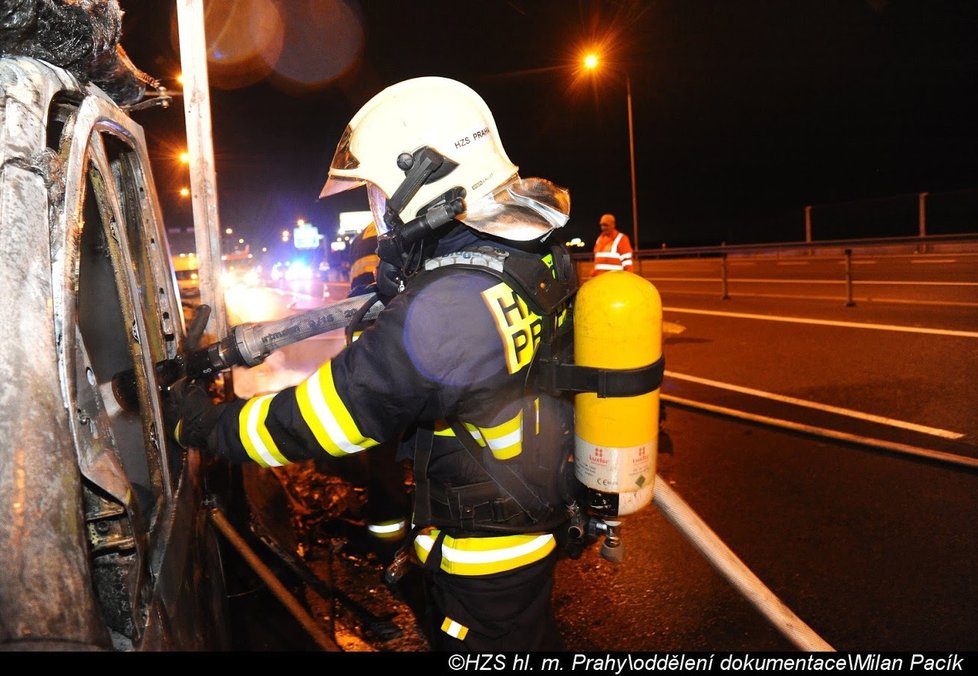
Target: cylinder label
<point>615,469</point>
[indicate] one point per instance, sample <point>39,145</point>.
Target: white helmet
<point>388,134</point>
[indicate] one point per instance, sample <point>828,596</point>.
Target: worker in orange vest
<point>612,251</point>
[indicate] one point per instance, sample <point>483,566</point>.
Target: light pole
<point>591,62</point>
<point>631,157</point>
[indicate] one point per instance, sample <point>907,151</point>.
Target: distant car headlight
<point>298,272</point>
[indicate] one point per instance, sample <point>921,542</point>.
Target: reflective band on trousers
<point>485,556</point>
<point>454,629</point>
<point>388,529</point>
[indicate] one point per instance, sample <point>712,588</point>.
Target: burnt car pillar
<point>46,596</point>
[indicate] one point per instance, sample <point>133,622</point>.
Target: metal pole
<point>283,595</point>
<point>922,221</point>
<point>723,277</point>
<point>849,301</point>
<point>808,224</point>
<point>922,213</point>
<point>200,148</point>
<point>631,153</point>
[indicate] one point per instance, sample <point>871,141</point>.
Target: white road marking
<point>906,449</point>
<point>860,282</point>
<point>828,322</point>
<point>891,422</point>
<point>766,280</point>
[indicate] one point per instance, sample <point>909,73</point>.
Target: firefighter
<point>612,250</point>
<point>363,252</point>
<point>473,292</point>
<point>387,507</point>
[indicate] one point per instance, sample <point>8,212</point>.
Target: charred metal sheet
<point>45,589</point>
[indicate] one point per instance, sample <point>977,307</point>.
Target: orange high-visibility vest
<point>612,252</point>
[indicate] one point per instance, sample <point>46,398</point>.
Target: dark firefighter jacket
<point>455,345</point>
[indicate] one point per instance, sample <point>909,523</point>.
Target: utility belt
<point>481,508</point>
<point>474,508</point>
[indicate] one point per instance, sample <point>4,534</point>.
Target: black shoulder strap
<point>423,442</point>
<point>504,476</point>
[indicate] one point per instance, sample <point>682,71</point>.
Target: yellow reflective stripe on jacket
<point>443,430</point>
<point>485,556</point>
<point>254,434</point>
<point>505,440</point>
<point>327,417</point>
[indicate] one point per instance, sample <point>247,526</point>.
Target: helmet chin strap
<point>395,247</point>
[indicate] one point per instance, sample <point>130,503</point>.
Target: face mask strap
<point>395,245</point>
<point>423,166</point>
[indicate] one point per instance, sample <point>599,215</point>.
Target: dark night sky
<point>745,110</point>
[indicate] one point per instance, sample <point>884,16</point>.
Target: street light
<point>591,62</point>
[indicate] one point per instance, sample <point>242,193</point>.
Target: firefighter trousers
<point>506,611</point>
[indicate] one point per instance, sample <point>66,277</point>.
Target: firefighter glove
<point>191,414</point>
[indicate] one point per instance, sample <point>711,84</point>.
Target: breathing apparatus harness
<point>543,494</point>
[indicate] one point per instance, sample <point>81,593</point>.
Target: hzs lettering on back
<point>518,327</point>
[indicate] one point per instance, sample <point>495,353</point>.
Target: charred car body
<point>105,542</point>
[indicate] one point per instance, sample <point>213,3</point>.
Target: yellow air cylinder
<point>617,325</point>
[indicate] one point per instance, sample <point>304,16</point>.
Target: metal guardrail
<point>844,249</point>
<point>910,244</point>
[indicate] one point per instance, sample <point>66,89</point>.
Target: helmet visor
<point>378,205</point>
<point>521,210</point>
<point>343,158</point>
<point>344,162</point>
